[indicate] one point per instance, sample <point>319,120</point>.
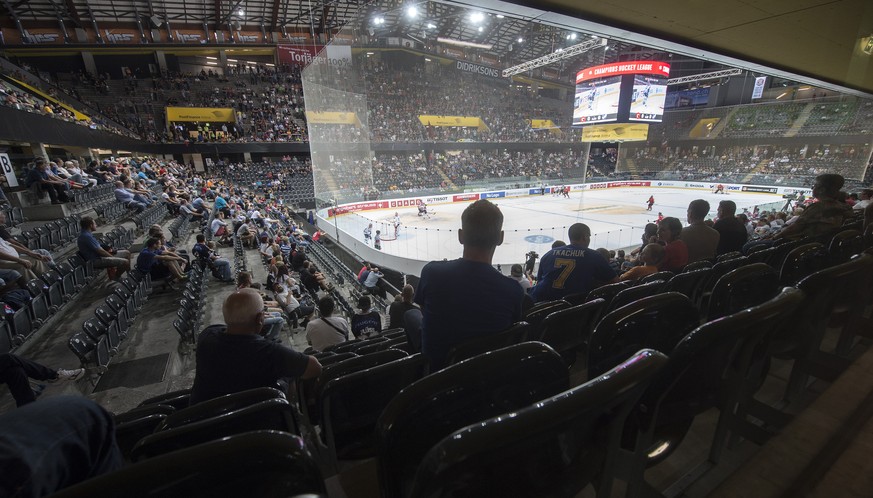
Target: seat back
<point>697,265</point>
<point>845,244</point>
<point>272,414</point>
<point>764,255</point>
<point>742,288</point>
<point>515,334</point>
<point>554,447</point>
<point>540,311</point>
<point>567,331</point>
<point>729,255</point>
<point>259,463</point>
<point>477,389</point>
<point>661,275</point>
<point>689,283</point>
<point>656,322</point>
<point>351,405</point>
<point>608,292</point>
<point>802,261</point>
<point>636,292</point>
<point>177,399</point>
<point>219,406</point>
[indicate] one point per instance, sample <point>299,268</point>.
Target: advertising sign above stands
<point>205,114</point>
<point>335,55</point>
<point>479,69</point>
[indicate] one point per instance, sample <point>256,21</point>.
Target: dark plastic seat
<point>710,367</point>
<point>782,248</point>
<point>742,288</point>
<point>718,271</point>
<point>176,399</point>
<point>728,255</point>
<point>130,432</point>
<point>308,390</point>
<point>656,322</point>
<point>272,414</point>
<point>260,463</point>
<point>697,265</point>
<point>689,283</point>
<point>845,244</point>
<point>802,261</point>
<point>634,293</point>
<point>515,334</point>
<point>608,292</point>
<point>567,331</point>
<point>351,405</point>
<point>336,358</point>
<point>219,406</point>
<point>477,389</point>
<point>763,255</point>
<point>6,339</point>
<point>661,275</point>
<point>143,411</point>
<point>553,448</point>
<point>80,344</point>
<point>832,301</point>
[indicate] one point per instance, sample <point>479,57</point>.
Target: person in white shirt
<point>327,330</point>
<point>866,196</point>
<point>517,273</point>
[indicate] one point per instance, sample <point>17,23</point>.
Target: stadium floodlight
<point>461,43</point>
<point>378,21</point>
<point>545,60</point>
<point>705,76</point>
<point>431,25</point>
<point>412,11</point>
<point>477,17</point>
<point>520,40</point>
<point>481,29</point>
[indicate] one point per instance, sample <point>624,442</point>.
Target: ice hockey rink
<point>616,217</point>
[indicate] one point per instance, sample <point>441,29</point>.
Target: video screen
<point>648,98</point>
<point>597,101</point>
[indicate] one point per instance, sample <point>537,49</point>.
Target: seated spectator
<point>366,322</point>
<point>15,370</point>
<point>221,206</point>
<point>39,179</point>
<point>289,302</point>
<point>732,231</point>
<point>171,202</point>
<point>234,357</point>
<point>219,228</point>
<point>16,256</point>
<point>220,266</point>
<point>54,444</point>
<point>186,210</point>
<point>127,198</point>
<point>326,330</point>
<point>159,264</point>
<point>675,251</point>
<point>467,298</point>
<point>91,250</point>
<point>246,234</point>
<point>572,269</point>
<point>517,273</point>
<point>865,200</point>
<point>651,256</point>
<point>398,308</point>
<point>700,239</point>
<point>821,217</point>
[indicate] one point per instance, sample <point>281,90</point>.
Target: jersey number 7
<point>568,265</point>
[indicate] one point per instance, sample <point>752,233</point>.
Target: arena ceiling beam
<point>705,76</point>
<point>554,57</point>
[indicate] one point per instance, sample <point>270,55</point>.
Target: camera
<point>532,254</point>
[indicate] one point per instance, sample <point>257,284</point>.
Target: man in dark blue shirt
<point>572,269</point>
<point>91,250</point>
<point>467,298</point>
<point>38,176</point>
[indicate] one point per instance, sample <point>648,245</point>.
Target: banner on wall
<point>335,55</point>
<point>758,90</point>
<point>703,128</point>
<point>450,121</point>
<point>333,118</point>
<point>479,69</point>
<point>622,132</point>
<point>32,36</point>
<point>206,114</point>
<point>249,36</point>
<point>546,124</point>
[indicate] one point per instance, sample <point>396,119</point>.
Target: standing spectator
<point>467,298</point>
<point>372,282</point>
<point>366,322</point>
<point>732,231</point>
<point>91,250</point>
<point>572,269</point>
<point>327,330</point>
<point>701,240</point>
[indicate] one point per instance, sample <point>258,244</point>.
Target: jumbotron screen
<point>621,92</point>
<point>597,101</point>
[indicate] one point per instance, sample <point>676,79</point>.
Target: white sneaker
<point>65,375</point>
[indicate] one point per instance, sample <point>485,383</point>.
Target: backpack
<point>16,298</point>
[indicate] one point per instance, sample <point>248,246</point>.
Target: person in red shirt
<point>675,251</point>
<point>650,202</point>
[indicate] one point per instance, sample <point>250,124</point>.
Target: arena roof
<point>810,41</point>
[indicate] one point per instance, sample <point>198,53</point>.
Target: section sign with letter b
<point>6,164</point>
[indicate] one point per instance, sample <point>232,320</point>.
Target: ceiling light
<point>232,60</point>
<point>520,40</point>
<point>477,17</point>
<point>212,63</point>
<point>212,58</point>
<point>481,28</point>
<point>431,25</point>
<point>412,11</point>
<point>241,12</point>
<point>499,16</point>
<point>571,36</point>
<point>426,59</point>
<point>378,21</point>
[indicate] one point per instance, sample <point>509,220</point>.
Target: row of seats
<point>150,216</point>
<point>190,312</point>
<point>51,236</point>
<point>94,196</point>
<point>102,335</point>
<point>47,295</point>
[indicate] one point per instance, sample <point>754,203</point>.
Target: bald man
<point>236,357</point>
